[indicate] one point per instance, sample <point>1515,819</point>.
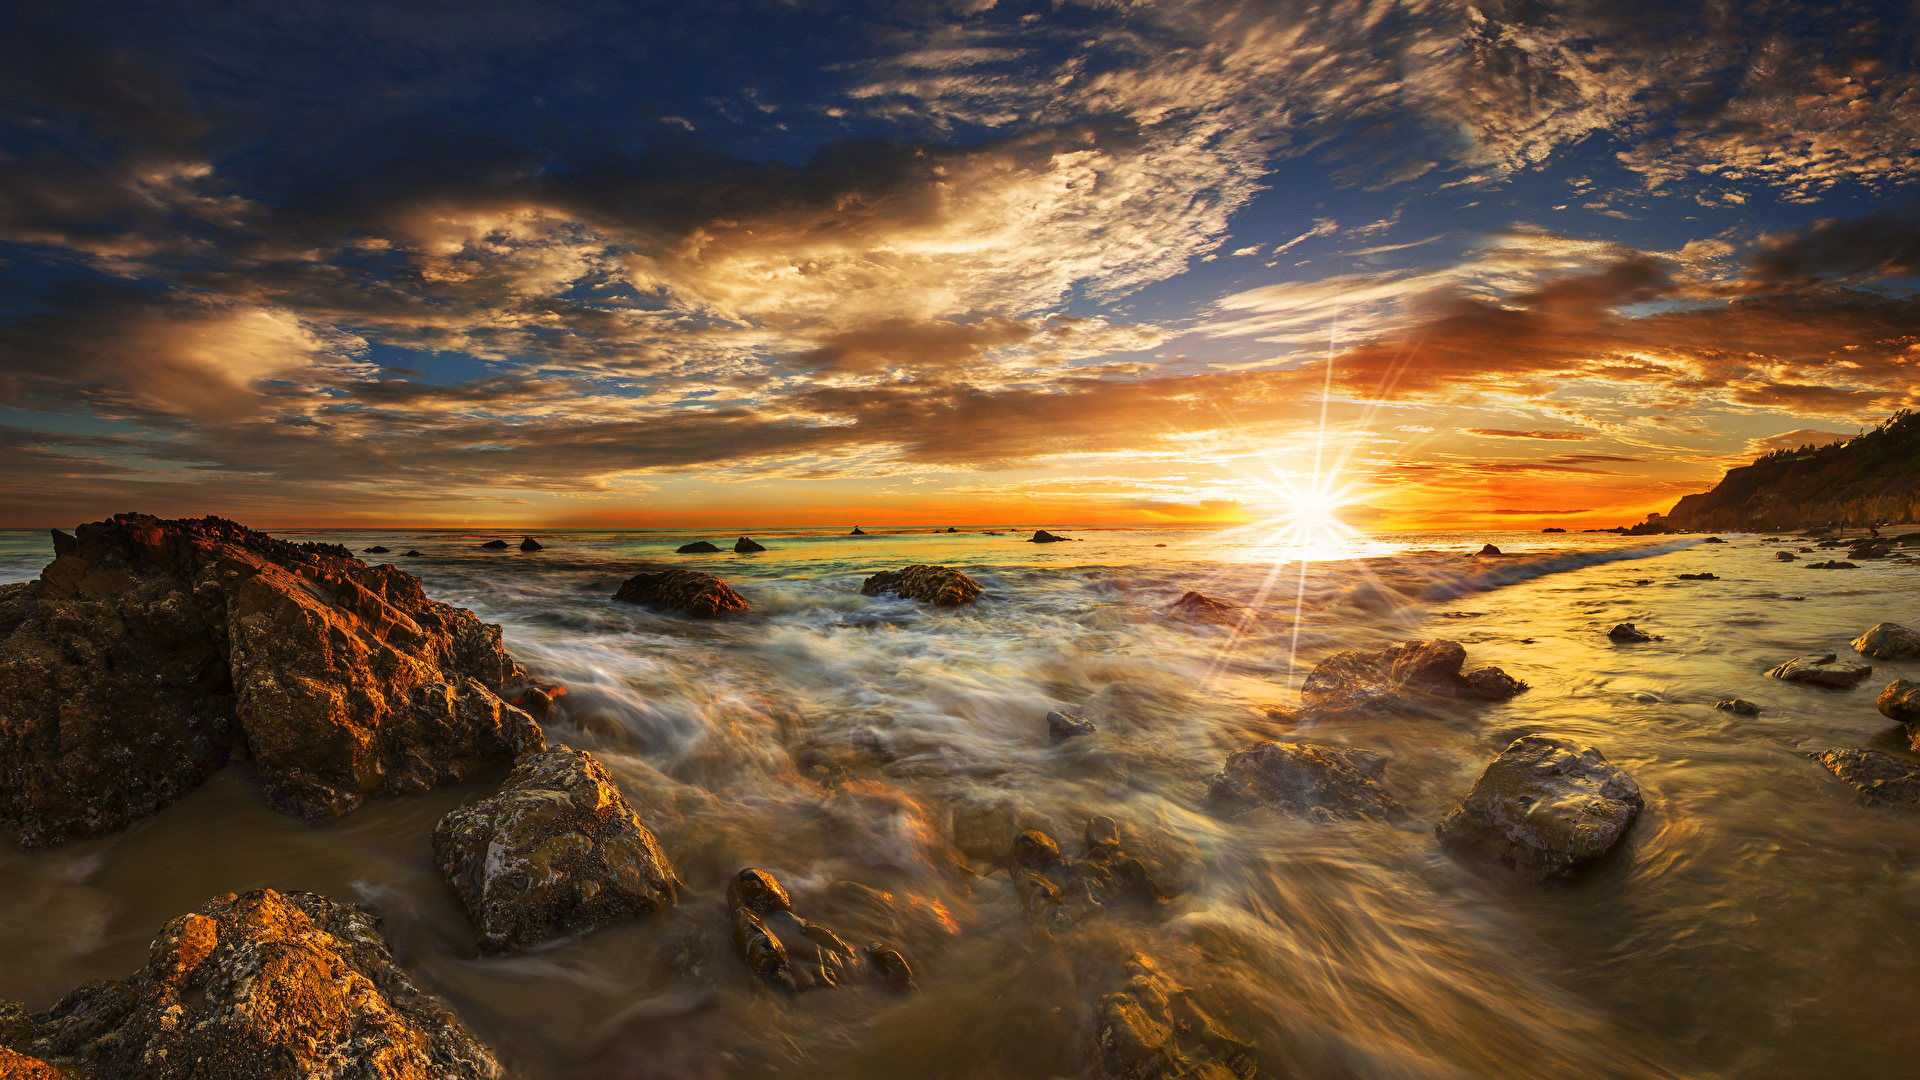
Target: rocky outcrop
<point>1042,536</point>
<point>1822,670</point>
<point>1547,806</point>
<point>688,592</point>
<point>1888,641</point>
<point>1627,632</point>
<point>261,985</point>
<point>149,651</point>
<point>1874,477</point>
<point>1064,724</point>
<point>1884,780</point>
<point>1154,1030</point>
<point>937,585</point>
<point>494,545</point>
<point>792,954</point>
<point>745,546</point>
<point>1398,678</point>
<point>698,547</point>
<point>1312,780</point>
<point>558,851</point>
<point>1056,891</point>
<point>528,543</point>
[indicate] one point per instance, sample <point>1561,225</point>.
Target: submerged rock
<point>1153,1030</point>
<point>1397,677</point>
<point>1313,780</point>
<point>1888,641</point>
<point>149,651</point>
<point>1042,536</point>
<point>1547,806</point>
<point>1713,540</point>
<point>1698,577</point>
<point>261,985</point>
<point>788,952</point>
<point>1200,606</point>
<point>1626,631</point>
<point>937,585</point>
<point>1056,891</point>
<point>1822,670</point>
<point>377,550</point>
<point>698,547</point>
<point>1738,706</point>
<point>1831,564</point>
<point>689,592</point>
<point>557,851</point>
<point>1785,556</point>
<point>1064,724</point>
<point>744,546</point>
<point>1883,779</point>
<point>411,554</point>
<point>528,543</point>
<point>1901,701</point>
<point>495,545</point>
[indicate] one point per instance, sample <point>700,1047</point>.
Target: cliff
<point>1872,478</point>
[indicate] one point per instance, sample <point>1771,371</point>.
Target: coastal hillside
<point>1874,477</point>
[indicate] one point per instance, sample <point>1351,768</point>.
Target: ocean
<point>1758,920</point>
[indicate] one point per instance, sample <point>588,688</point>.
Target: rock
<point>1200,606</point>
<point>1785,556</point>
<point>1698,577</point>
<point>1888,641</point>
<point>262,985</point>
<point>495,545</point>
<point>1901,701</point>
<point>1153,1030</point>
<point>1626,631</point>
<point>951,529</point>
<point>1056,891</point>
<point>1553,530</point>
<point>1309,779</point>
<point>557,851</point>
<point>1883,779</point>
<point>937,585</point>
<point>1489,549</point>
<point>698,547</point>
<point>1831,564</point>
<point>1741,706</point>
<point>1064,724</point>
<point>1547,806</point>
<point>744,546</point>
<point>689,592</point>
<point>1713,540</point>
<point>150,651</point>
<point>1825,670</point>
<point>21,1067</point>
<point>411,554</point>
<point>1398,676</point>
<point>788,952</point>
<point>528,543</point>
<point>856,531</point>
<point>1042,536</point>
<point>377,550</point>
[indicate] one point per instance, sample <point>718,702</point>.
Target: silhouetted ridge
<point>1872,478</point>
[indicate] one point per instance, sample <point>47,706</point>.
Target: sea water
<point>1758,920</point>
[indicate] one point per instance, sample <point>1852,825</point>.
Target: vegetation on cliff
<point>1874,477</point>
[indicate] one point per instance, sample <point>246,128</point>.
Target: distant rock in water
<point>1153,1030</point>
<point>857,531</point>
<point>1888,641</point>
<point>744,546</point>
<point>411,554</point>
<point>1872,477</point>
<point>1697,577</point>
<point>1546,806</point>
<point>180,643</point>
<point>1901,701</point>
<point>1884,780</point>
<point>689,592</point>
<point>1489,550</point>
<point>495,545</point>
<point>1713,540</point>
<point>377,550</point>
<point>698,547</point>
<point>1064,724</point>
<point>1200,606</point>
<point>788,952</point>
<point>1628,632</point>
<point>1822,670</point>
<point>1042,536</point>
<point>1312,780</point>
<point>1785,556</point>
<point>1396,679</point>
<point>556,851</point>
<point>1738,706</point>
<point>528,543</point>
<point>1553,530</point>
<point>951,529</point>
<point>937,585</point>
<point>261,984</point>
<point>1832,564</point>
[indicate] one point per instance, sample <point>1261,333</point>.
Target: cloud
<point>1503,433</point>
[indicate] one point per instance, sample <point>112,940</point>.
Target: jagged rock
<point>149,651</point>
<point>1489,549</point>
<point>698,547</point>
<point>689,592</point>
<point>557,851</point>
<point>788,952</point>
<point>857,531</point>
<point>1822,670</point>
<point>1888,641</point>
<point>261,985</point>
<point>1397,677</point>
<point>1546,805</point>
<point>495,545</point>
<point>937,585</point>
<point>744,546</point>
<point>528,543</point>
<point>1064,724</point>
<point>1626,631</point>
<point>1698,577</point>
<point>1831,564</point>
<point>1057,891</point>
<point>1042,536</point>
<point>1200,606</point>
<point>1739,706</point>
<point>1901,701</point>
<point>1883,779</point>
<point>1310,779</point>
<point>1153,1030</point>
<point>1785,556</point>
<point>377,550</point>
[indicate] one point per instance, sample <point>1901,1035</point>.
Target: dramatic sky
<point>1489,265</point>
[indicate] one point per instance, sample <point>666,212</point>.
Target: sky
<point>578,264</point>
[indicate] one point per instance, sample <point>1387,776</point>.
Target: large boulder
<point>1397,678</point>
<point>557,851</point>
<point>698,547</point>
<point>937,585</point>
<point>1822,670</point>
<point>1888,641</point>
<point>150,651</point>
<point>1310,779</point>
<point>788,952</point>
<point>689,592</point>
<point>1883,779</point>
<point>1901,701</point>
<point>1547,806</point>
<point>1042,536</point>
<point>528,543</point>
<point>1154,1030</point>
<point>255,986</point>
